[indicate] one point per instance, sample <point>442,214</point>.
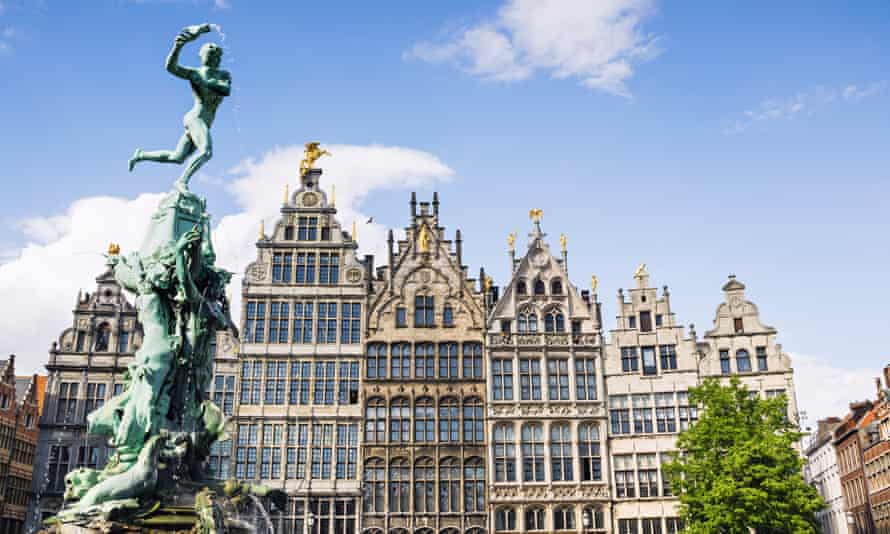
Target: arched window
<point>375,420</point>
<point>448,360</point>
<point>504,453</point>
<point>594,518</point>
<point>449,420</point>
<point>376,360</point>
<point>375,479</point>
<point>521,288</point>
<point>425,485</point>
<point>474,485</point>
<point>561,452</point>
<point>532,452</point>
<point>399,489</point>
<point>743,361</point>
<point>449,485</point>
<point>554,321</point>
<point>564,518</point>
<point>589,452</point>
<point>556,287</point>
<point>103,334</point>
<point>505,519</point>
<point>534,518</point>
<point>527,322</point>
<point>424,360</point>
<point>401,360</point>
<point>399,421</point>
<point>473,421</point>
<point>424,420</point>
<point>540,288</point>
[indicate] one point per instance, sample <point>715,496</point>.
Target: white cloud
<point>804,103</point>
<point>66,249</point>
<point>598,43</point>
<point>825,389</point>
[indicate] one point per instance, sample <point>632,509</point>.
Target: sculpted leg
<point>183,149</point>
<point>199,133</point>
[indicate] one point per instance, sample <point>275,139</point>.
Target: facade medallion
<point>310,199</point>
<point>354,276</point>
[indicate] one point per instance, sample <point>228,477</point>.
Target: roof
<point>21,387</point>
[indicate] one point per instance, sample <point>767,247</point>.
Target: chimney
<point>458,241</point>
<point>436,205</point>
<point>413,204</point>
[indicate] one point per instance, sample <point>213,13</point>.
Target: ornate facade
<point>546,410</point>
<point>20,401</point>
<point>651,363</point>
<point>423,392</point>
<point>298,415</point>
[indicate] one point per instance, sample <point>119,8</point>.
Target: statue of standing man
<point>210,85</point>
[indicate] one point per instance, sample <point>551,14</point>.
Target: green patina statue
<point>162,425</point>
<point>210,85</point>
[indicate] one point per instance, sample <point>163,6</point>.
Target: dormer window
<point>527,322</point>
<point>645,321</point>
<point>520,288</point>
<point>556,287</point>
<point>738,325</point>
<point>307,229</point>
<point>103,333</point>
<point>540,289</point>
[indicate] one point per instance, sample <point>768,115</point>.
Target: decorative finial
<point>286,193</point>
<point>114,249</point>
<point>310,155</point>
<point>354,232</point>
<point>262,234</point>
<point>423,239</point>
<point>511,240</point>
<point>641,271</point>
<point>536,214</point>
<point>594,281</point>
<point>488,284</point>
<point>563,240</point>
<point>333,195</point>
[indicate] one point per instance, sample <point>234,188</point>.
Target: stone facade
<point>821,471</point>
<point>850,438</point>
<point>298,414</point>
<point>546,410</point>
<point>651,363</point>
<point>20,402</point>
<point>423,391</point>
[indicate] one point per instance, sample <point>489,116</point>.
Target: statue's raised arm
<point>210,85</point>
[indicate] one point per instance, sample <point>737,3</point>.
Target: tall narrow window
<point>376,360</point>
<point>521,288</point>
<point>651,525</point>
<point>724,362</point>
<point>564,518</point>
<point>276,375</point>
<point>647,475</point>
<point>328,268</point>
<point>668,354</point>
<point>743,361</point>
<point>399,485</point>
<point>448,360</point>
<point>425,486</point>
<point>255,329</point>
<point>95,397</point>
<point>649,365</point>
<point>666,420</point>
<point>619,414</point>
<point>761,359</point>
<point>375,421</point>
<point>326,329</point>
<point>303,316</point>
<point>554,321</point>
<point>585,378</point>
<point>123,341</point>
<point>448,316</point>
<point>66,403</point>
<point>374,481</point>
<point>350,322</point>
<point>279,320</point>
<point>347,451</point>
<point>289,232</point>
<point>627,526</point>
<point>424,360</point>
<point>400,361</point>
<point>532,452</point>
<point>59,458</point>
<point>642,405</point>
<point>527,322</point>
<point>504,453</point>
<point>502,379</point>
<point>399,421</point>
<point>347,392</point>
<point>424,420</point>
<point>278,267</point>
<point>589,451</point>
<point>630,362</point>
<point>300,378</point>
<point>449,420</point>
<point>505,520</point>
<point>556,287</point>
<point>558,379</point>
<point>424,311</point>
<point>738,325</point>
<point>474,485</point>
<point>307,228</point>
<point>305,268</point>
<point>534,519</point>
<point>324,383</point>
<point>625,487</point>
<point>540,289</point>
<point>473,421</point>
<point>103,335</point>
<point>645,321</point>
<point>688,414</point>
<point>449,485</point>
<point>530,379</point>
<point>472,360</point>
<point>561,452</point>
<point>401,317</point>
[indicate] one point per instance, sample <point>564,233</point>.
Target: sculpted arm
<point>172,65</point>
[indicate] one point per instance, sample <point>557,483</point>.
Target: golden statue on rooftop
<point>641,271</point>
<point>114,249</point>
<point>310,155</point>
<point>511,240</point>
<point>423,239</point>
<point>535,214</point>
<point>594,281</point>
<point>563,241</point>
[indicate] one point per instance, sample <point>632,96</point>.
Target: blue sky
<point>790,196</point>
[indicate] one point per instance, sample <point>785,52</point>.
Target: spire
<point>536,215</point>
<point>413,204</point>
<point>354,232</point>
<point>436,204</point>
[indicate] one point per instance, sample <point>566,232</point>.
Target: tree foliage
<point>738,468</point>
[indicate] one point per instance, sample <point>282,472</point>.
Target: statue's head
<point>211,55</point>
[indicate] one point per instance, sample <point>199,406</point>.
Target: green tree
<point>738,469</point>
